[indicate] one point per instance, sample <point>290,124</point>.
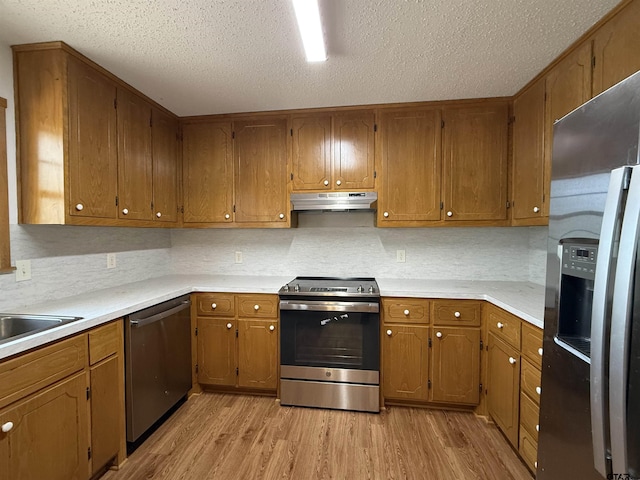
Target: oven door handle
<point>329,306</point>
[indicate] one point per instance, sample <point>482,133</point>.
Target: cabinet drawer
<point>405,310</point>
<point>457,312</point>
<point>532,344</point>
<point>528,450</point>
<point>30,372</point>
<point>104,341</point>
<point>504,326</point>
<point>529,416</point>
<point>215,304</point>
<point>258,306</point>
<point>530,381</point>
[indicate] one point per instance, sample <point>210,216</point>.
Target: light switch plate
<point>111,260</point>
<point>23,270</point>
<point>238,257</point>
<point>401,256</point>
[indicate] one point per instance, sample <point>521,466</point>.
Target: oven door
<point>330,334</point>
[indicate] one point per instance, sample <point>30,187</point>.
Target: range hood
<point>334,201</point>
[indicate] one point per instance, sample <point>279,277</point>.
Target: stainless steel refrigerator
<point>590,400</point>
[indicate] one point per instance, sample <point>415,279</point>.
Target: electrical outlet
<point>238,257</point>
<point>23,270</point>
<point>400,256</point>
<point>111,260</point>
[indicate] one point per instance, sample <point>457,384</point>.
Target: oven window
<point>330,339</point>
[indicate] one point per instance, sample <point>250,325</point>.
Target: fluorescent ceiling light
<point>308,16</point>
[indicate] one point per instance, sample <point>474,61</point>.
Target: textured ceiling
<point>217,56</point>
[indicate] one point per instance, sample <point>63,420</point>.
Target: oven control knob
<point>360,289</point>
<point>272,328</point>
<point>406,312</point>
<point>389,332</point>
<point>286,288</point>
<point>229,325</point>
<point>371,289</point>
<point>296,288</point>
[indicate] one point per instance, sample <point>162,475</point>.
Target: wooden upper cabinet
<point>530,194</point>
<point>353,151</point>
<point>207,165</point>
<point>135,174</point>
<point>260,161</point>
<point>311,160</point>
<point>93,148</point>
<point>616,50</point>
<point>164,143</point>
<point>475,162</point>
<point>410,161</point>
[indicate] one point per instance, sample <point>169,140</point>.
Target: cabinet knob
<point>213,306</point>
<point>79,207</point>
<point>512,360</point>
<point>406,312</point>
<point>499,325</point>
<point>439,334</point>
<point>227,216</point>
<point>256,307</point>
<point>389,332</point>
<point>456,314</point>
<point>326,183</point>
<point>272,328</point>
<point>538,390</point>
<point>338,182</point>
<point>281,216</point>
<point>125,211</point>
<point>536,209</point>
<point>449,213</point>
<point>229,325</point>
<point>537,428</point>
<point>158,214</point>
<point>385,214</point>
<point>535,464</point>
<point>6,427</point>
<point>540,351</point>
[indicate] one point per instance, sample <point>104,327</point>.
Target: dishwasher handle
<point>159,316</point>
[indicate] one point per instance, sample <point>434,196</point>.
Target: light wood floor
<point>217,436</point>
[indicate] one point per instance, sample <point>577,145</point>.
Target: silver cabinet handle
<point>6,427</point>
<point>338,182</point>
<point>79,207</point>
<point>125,211</point>
<point>439,334</point>
<point>456,314</point>
<point>272,328</point>
<point>500,325</point>
<point>449,213</point>
<point>326,183</point>
<point>512,360</point>
<point>229,325</point>
<point>389,332</point>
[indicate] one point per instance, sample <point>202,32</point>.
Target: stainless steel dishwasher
<point>157,362</point>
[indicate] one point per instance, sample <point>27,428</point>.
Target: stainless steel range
<point>330,343</point>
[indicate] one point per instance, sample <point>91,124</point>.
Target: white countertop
<point>526,300</point>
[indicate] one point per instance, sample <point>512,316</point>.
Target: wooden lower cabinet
<point>105,412</point>
<point>258,354</point>
<point>405,353</point>
<point>49,435</point>
<point>503,386</point>
<point>217,359</point>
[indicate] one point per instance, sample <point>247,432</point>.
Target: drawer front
<point>529,416</point>
<point>528,450</point>
<point>405,310</point>
<point>258,306</point>
<point>29,372</point>
<point>215,304</point>
<point>104,341</point>
<point>532,344</point>
<point>530,381</point>
<point>463,313</point>
<point>505,326</point>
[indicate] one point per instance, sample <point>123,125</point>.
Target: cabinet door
<point>134,157</point>
<point>568,85</point>
<point>616,49</point>
<point>105,412</point>
<point>353,151</point>
<point>529,194</point>
<point>475,163</point>
<point>93,146</point>
<point>410,160</point>
<point>261,167</point>
<point>405,353</point>
<point>217,358</point>
<point>258,354</point>
<point>50,434</point>
<point>455,365</point>
<point>311,160</point>
<point>503,387</point>
<point>207,165</point>
<point>164,131</point>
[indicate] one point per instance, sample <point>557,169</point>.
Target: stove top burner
<point>331,287</point>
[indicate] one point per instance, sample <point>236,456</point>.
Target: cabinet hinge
<point>237,371</point>
<point>593,62</point>
<point>88,393</point>
<point>429,342</point>
<point>442,124</point>
<point>512,119</point>
<point>375,174</point>
<point>292,132</point>
<point>508,204</point>
<point>116,200</point>
<point>197,333</point>
<point>233,135</point>
<point>234,209</point>
<point>480,388</point>
<point>481,345</point>
<point>115,103</point>
<point>236,333</point>
<point>89,453</point>
<point>375,127</point>
<point>545,96</point>
<point>291,175</point>
<point>182,209</point>
<point>150,121</point>
<point>152,206</point>
<point>441,205</point>
<point>429,384</point>
<point>196,368</point>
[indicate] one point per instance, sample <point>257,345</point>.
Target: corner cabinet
<point>85,143</point>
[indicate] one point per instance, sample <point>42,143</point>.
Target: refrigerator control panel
<point>579,260</point>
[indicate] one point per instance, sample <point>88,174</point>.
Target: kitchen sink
<point>18,326</point>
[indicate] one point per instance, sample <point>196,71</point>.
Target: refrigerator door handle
<point>599,329</point>
<point>621,326</point>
